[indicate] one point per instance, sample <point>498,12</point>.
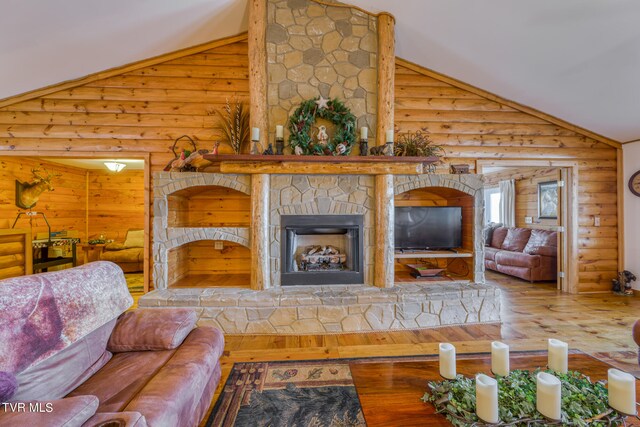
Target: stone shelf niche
<point>184,239</point>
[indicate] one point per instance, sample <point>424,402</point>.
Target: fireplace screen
<point>322,249</point>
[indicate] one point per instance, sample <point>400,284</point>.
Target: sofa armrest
<point>116,419</point>
<point>151,329</point>
<point>551,251</point>
<point>68,412</point>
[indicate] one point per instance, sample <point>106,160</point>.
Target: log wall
<point>526,182</point>
<point>471,126</point>
<point>65,207</point>
<point>145,106</point>
<point>116,203</point>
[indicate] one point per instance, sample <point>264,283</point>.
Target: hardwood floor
<point>597,324</point>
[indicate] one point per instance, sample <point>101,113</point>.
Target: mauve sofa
<point>529,254</point>
<point>67,341</point>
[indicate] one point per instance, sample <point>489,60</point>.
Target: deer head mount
<point>28,193</point>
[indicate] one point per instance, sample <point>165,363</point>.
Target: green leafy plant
<point>416,144</point>
<point>234,125</point>
<point>583,403</point>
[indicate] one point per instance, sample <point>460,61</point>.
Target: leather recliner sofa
<point>529,254</point>
<point>70,345</point>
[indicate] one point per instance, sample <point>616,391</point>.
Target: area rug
<point>135,282</point>
<point>278,394</point>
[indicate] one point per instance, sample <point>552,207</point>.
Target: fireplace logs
<point>318,257</point>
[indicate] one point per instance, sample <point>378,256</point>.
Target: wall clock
<point>634,183</point>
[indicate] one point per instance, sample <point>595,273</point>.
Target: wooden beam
<point>260,278</point>
<point>304,168</point>
<point>621,188</point>
<point>258,114</point>
<point>386,76</point>
<point>68,84</point>
<point>383,273</point>
<point>493,97</point>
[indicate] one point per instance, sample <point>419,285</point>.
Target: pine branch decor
<point>303,118</point>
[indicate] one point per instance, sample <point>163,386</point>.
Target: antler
<point>40,178</point>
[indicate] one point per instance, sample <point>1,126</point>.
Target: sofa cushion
<point>152,329</point>
<point>134,239</point>
<point>516,239</point>
<point>129,419</point>
<point>512,270</point>
<point>8,386</point>
<point>498,237</point>
<point>69,412</point>
<point>43,314</point>
<point>58,375</point>
<point>488,232</point>
<point>172,397</point>
<point>517,259</point>
<point>120,380</point>
<point>490,253</point>
<point>542,242</point>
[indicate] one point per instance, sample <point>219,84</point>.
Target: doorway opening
<point>531,207</point>
<point>88,209</point>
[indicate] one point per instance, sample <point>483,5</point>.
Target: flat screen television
<point>428,227</point>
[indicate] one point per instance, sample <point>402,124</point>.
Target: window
<point>492,205</point>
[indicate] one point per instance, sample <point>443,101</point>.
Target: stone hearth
<point>336,308</point>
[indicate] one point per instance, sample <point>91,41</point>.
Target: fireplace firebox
<point>322,250</point>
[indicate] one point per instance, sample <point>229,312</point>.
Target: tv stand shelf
<point>461,253</point>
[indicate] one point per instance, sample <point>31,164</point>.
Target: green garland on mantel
<point>300,138</point>
<point>583,403</point>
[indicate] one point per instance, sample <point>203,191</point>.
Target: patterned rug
<point>278,394</point>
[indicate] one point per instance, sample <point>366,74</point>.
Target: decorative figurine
<point>341,149</point>
<point>298,151</point>
<point>322,136</point>
<point>215,148</point>
<point>268,151</point>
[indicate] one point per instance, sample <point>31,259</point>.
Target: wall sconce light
<point>114,166</point>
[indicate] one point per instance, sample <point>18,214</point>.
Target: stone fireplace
<point>322,250</point>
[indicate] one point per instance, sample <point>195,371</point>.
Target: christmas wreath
<point>301,121</point>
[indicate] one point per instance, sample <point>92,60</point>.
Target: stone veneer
<point>467,183</point>
<point>166,238</point>
<point>335,309</point>
<point>319,49</point>
<point>320,195</point>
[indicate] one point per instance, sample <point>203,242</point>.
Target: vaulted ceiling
<point>577,59</point>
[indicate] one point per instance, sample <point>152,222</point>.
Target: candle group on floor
<point>622,386</point>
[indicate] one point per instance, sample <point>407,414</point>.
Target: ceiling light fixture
<point>114,166</point>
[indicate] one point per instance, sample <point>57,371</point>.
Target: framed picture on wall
<point>548,200</point>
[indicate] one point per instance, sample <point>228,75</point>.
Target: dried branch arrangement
<point>417,144</point>
<point>234,124</point>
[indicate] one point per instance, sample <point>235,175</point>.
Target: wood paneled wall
<point>143,107</point>
<point>526,182</point>
<point>209,207</point>
<point>65,207</point>
<point>15,253</point>
<point>116,203</point>
<point>471,126</point>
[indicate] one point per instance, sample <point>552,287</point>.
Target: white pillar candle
<point>389,136</point>
<point>622,392</point>
<point>447,361</point>
<point>548,395</point>
<point>499,358</point>
<point>364,133</point>
<point>255,134</point>
<point>558,356</point>
<point>487,399</point>
<point>279,131</point>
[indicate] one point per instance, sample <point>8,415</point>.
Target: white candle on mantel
<point>389,136</point>
<point>558,356</point>
<point>279,131</point>
<point>622,392</point>
<point>487,399</point>
<point>364,133</point>
<point>499,358</point>
<point>447,361</point>
<point>255,134</point>
<point>548,395</point>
